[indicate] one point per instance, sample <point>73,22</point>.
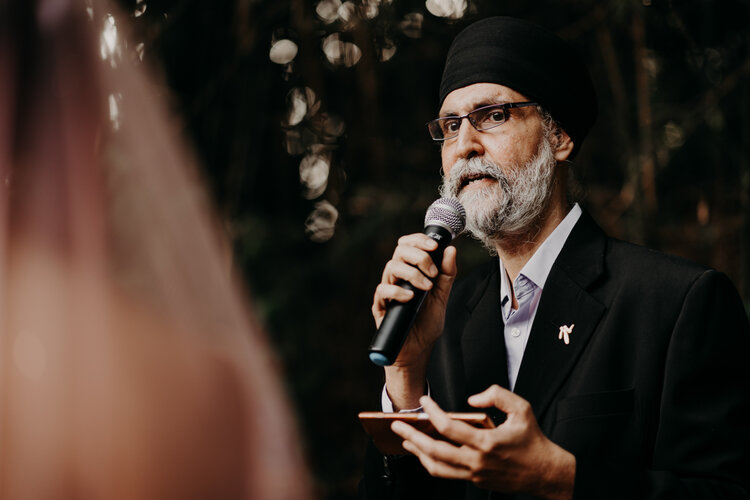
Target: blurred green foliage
<point>667,163</point>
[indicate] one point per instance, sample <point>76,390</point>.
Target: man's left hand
<point>513,457</point>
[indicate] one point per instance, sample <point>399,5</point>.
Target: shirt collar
<point>539,265</point>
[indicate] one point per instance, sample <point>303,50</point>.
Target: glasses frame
<point>435,124</point>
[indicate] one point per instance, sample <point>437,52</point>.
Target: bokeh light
<point>451,9</point>
<point>109,46</point>
<point>114,110</point>
<point>313,174</point>
<point>388,50</point>
<point>411,25</point>
<point>283,51</point>
<point>140,8</point>
<point>347,12</point>
<point>321,223</point>
<point>328,10</point>
<point>297,100</point>
<point>339,52</point>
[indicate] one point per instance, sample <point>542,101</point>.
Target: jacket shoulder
<point>653,266</point>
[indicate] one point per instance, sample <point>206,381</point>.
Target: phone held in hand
<point>378,425</point>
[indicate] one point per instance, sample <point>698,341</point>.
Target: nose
<point>468,141</point>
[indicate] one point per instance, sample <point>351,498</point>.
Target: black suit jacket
<point>651,395</point>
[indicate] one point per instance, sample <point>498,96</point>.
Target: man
<point>611,370</point>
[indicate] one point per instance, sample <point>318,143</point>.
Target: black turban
<point>530,60</point>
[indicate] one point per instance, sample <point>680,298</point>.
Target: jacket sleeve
<point>397,477</point>
<point>702,439</point>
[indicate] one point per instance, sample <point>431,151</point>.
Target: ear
<point>562,145</point>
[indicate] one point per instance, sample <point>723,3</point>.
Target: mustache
<point>466,170</point>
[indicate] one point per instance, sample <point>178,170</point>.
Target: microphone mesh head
<point>446,212</point>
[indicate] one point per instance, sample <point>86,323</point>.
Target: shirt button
<point>515,332</point>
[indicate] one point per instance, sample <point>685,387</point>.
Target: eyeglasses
<point>483,118</point>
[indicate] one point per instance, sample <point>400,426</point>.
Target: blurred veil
<point>129,364</point>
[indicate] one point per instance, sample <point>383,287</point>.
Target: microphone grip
<point>400,316</point>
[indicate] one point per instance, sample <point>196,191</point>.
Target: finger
<point>437,468</point>
<point>396,271</point>
<point>384,293</point>
<point>455,430</point>
<point>438,450</point>
<point>404,430</point>
<point>416,257</point>
<point>448,271</point>
<point>448,267</point>
<point>419,240</point>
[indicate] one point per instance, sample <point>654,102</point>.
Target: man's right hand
<point>411,261</point>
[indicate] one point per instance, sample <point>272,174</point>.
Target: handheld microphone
<point>445,219</point>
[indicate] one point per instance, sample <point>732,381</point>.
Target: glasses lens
<point>436,131</point>
<point>444,128</point>
<point>491,116</point>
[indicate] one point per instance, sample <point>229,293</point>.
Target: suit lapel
<point>482,342</point>
<point>547,360</point>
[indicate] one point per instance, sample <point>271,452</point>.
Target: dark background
<point>666,165</point>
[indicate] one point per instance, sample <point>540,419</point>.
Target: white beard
<point>510,206</point>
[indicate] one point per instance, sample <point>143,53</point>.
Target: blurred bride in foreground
<point>129,365</point>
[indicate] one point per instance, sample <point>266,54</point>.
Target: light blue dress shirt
<point>527,287</point>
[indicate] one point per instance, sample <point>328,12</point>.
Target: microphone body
<point>442,227</point>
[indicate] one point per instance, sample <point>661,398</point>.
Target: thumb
<point>498,397</point>
<point>448,270</point>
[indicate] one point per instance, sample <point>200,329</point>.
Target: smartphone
<point>378,425</point>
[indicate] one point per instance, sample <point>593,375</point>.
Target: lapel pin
<point>565,332</point>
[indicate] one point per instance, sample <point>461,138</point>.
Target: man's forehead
<point>465,99</point>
